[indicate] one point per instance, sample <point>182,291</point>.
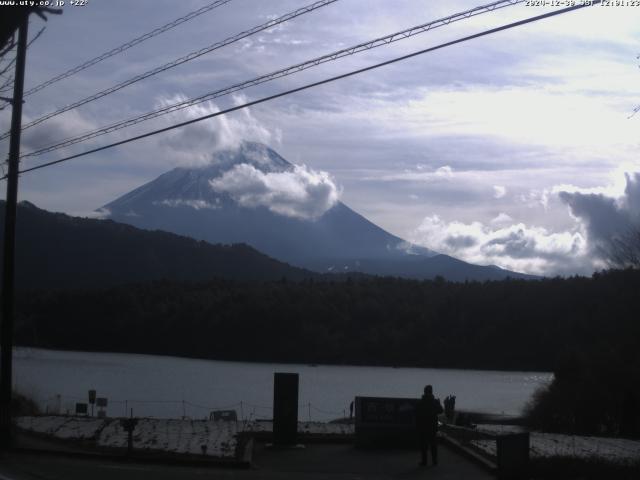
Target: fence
<point>65,405</point>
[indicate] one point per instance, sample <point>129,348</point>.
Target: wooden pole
<point>8,274</point>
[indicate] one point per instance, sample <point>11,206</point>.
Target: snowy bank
<point>64,428</point>
<point>219,438</point>
<point>206,438</point>
<point>546,445</point>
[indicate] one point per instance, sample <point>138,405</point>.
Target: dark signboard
<point>285,408</point>
<point>101,402</point>
<point>81,408</point>
<point>227,415</point>
<point>384,420</point>
<point>395,411</point>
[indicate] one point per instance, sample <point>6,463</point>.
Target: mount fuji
<point>325,235</point>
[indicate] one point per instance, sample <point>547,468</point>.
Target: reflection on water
<point>174,387</point>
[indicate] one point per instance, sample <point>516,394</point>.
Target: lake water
<point>173,387</point>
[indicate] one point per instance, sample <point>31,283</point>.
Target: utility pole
<point>8,274</point>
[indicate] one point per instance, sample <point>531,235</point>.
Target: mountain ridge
<point>183,201</point>
<point>55,250</point>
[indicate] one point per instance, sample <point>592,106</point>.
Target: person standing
<point>427,413</point>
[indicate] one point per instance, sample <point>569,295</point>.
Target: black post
<point>130,442</point>
<point>8,274</point>
<point>129,425</point>
<point>285,408</point>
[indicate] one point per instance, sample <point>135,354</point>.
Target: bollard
<point>512,452</point>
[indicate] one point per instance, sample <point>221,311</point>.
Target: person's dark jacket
<point>427,415</point>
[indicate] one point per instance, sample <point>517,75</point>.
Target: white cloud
<point>99,214</point>
<point>516,247</point>
<point>195,204</point>
<point>519,114</point>
<point>499,191</point>
<point>418,175</point>
<point>193,145</point>
<point>299,193</point>
<point>600,213</point>
<point>444,172</point>
<point>616,183</point>
<point>501,218</point>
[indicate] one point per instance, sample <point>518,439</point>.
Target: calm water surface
<point>172,387</point>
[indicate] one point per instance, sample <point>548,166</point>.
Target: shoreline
<point>268,362</point>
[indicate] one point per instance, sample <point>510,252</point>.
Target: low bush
<point>22,405</point>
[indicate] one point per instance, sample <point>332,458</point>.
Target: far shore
<point>292,362</point>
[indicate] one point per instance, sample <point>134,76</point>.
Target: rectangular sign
<point>387,411</point>
<point>226,415</point>
<point>385,421</point>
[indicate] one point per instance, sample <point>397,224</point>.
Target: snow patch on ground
<point>496,429</point>
<point>220,438</point>
<point>175,436</point>
<point>543,445</point>
<point>65,428</point>
<point>152,434</point>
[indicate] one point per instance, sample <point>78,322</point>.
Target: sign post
<point>92,400</point>
<point>101,402</point>
<point>129,425</point>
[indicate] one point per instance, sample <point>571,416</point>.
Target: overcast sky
<point>515,149</point>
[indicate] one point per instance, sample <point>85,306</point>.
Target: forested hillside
<point>54,250</point>
<point>510,324</point>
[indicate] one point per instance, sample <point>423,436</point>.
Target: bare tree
<point>11,18</point>
<point>624,250</point>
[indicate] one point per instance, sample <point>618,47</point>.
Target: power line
<point>127,45</point>
<point>315,84</point>
<point>394,37</point>
<point>178,61</point>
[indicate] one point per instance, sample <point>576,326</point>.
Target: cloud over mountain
<point>194,144</point>
<point>299,193</point>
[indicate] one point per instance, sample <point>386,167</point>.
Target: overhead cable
<point>125,46</point>
<point>176,62</point>
<point>314,84</point>
<point>387,39</point>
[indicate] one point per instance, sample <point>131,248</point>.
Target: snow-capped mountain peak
<point>252,195</point>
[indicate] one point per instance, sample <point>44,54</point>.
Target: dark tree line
<point>510,324</point>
